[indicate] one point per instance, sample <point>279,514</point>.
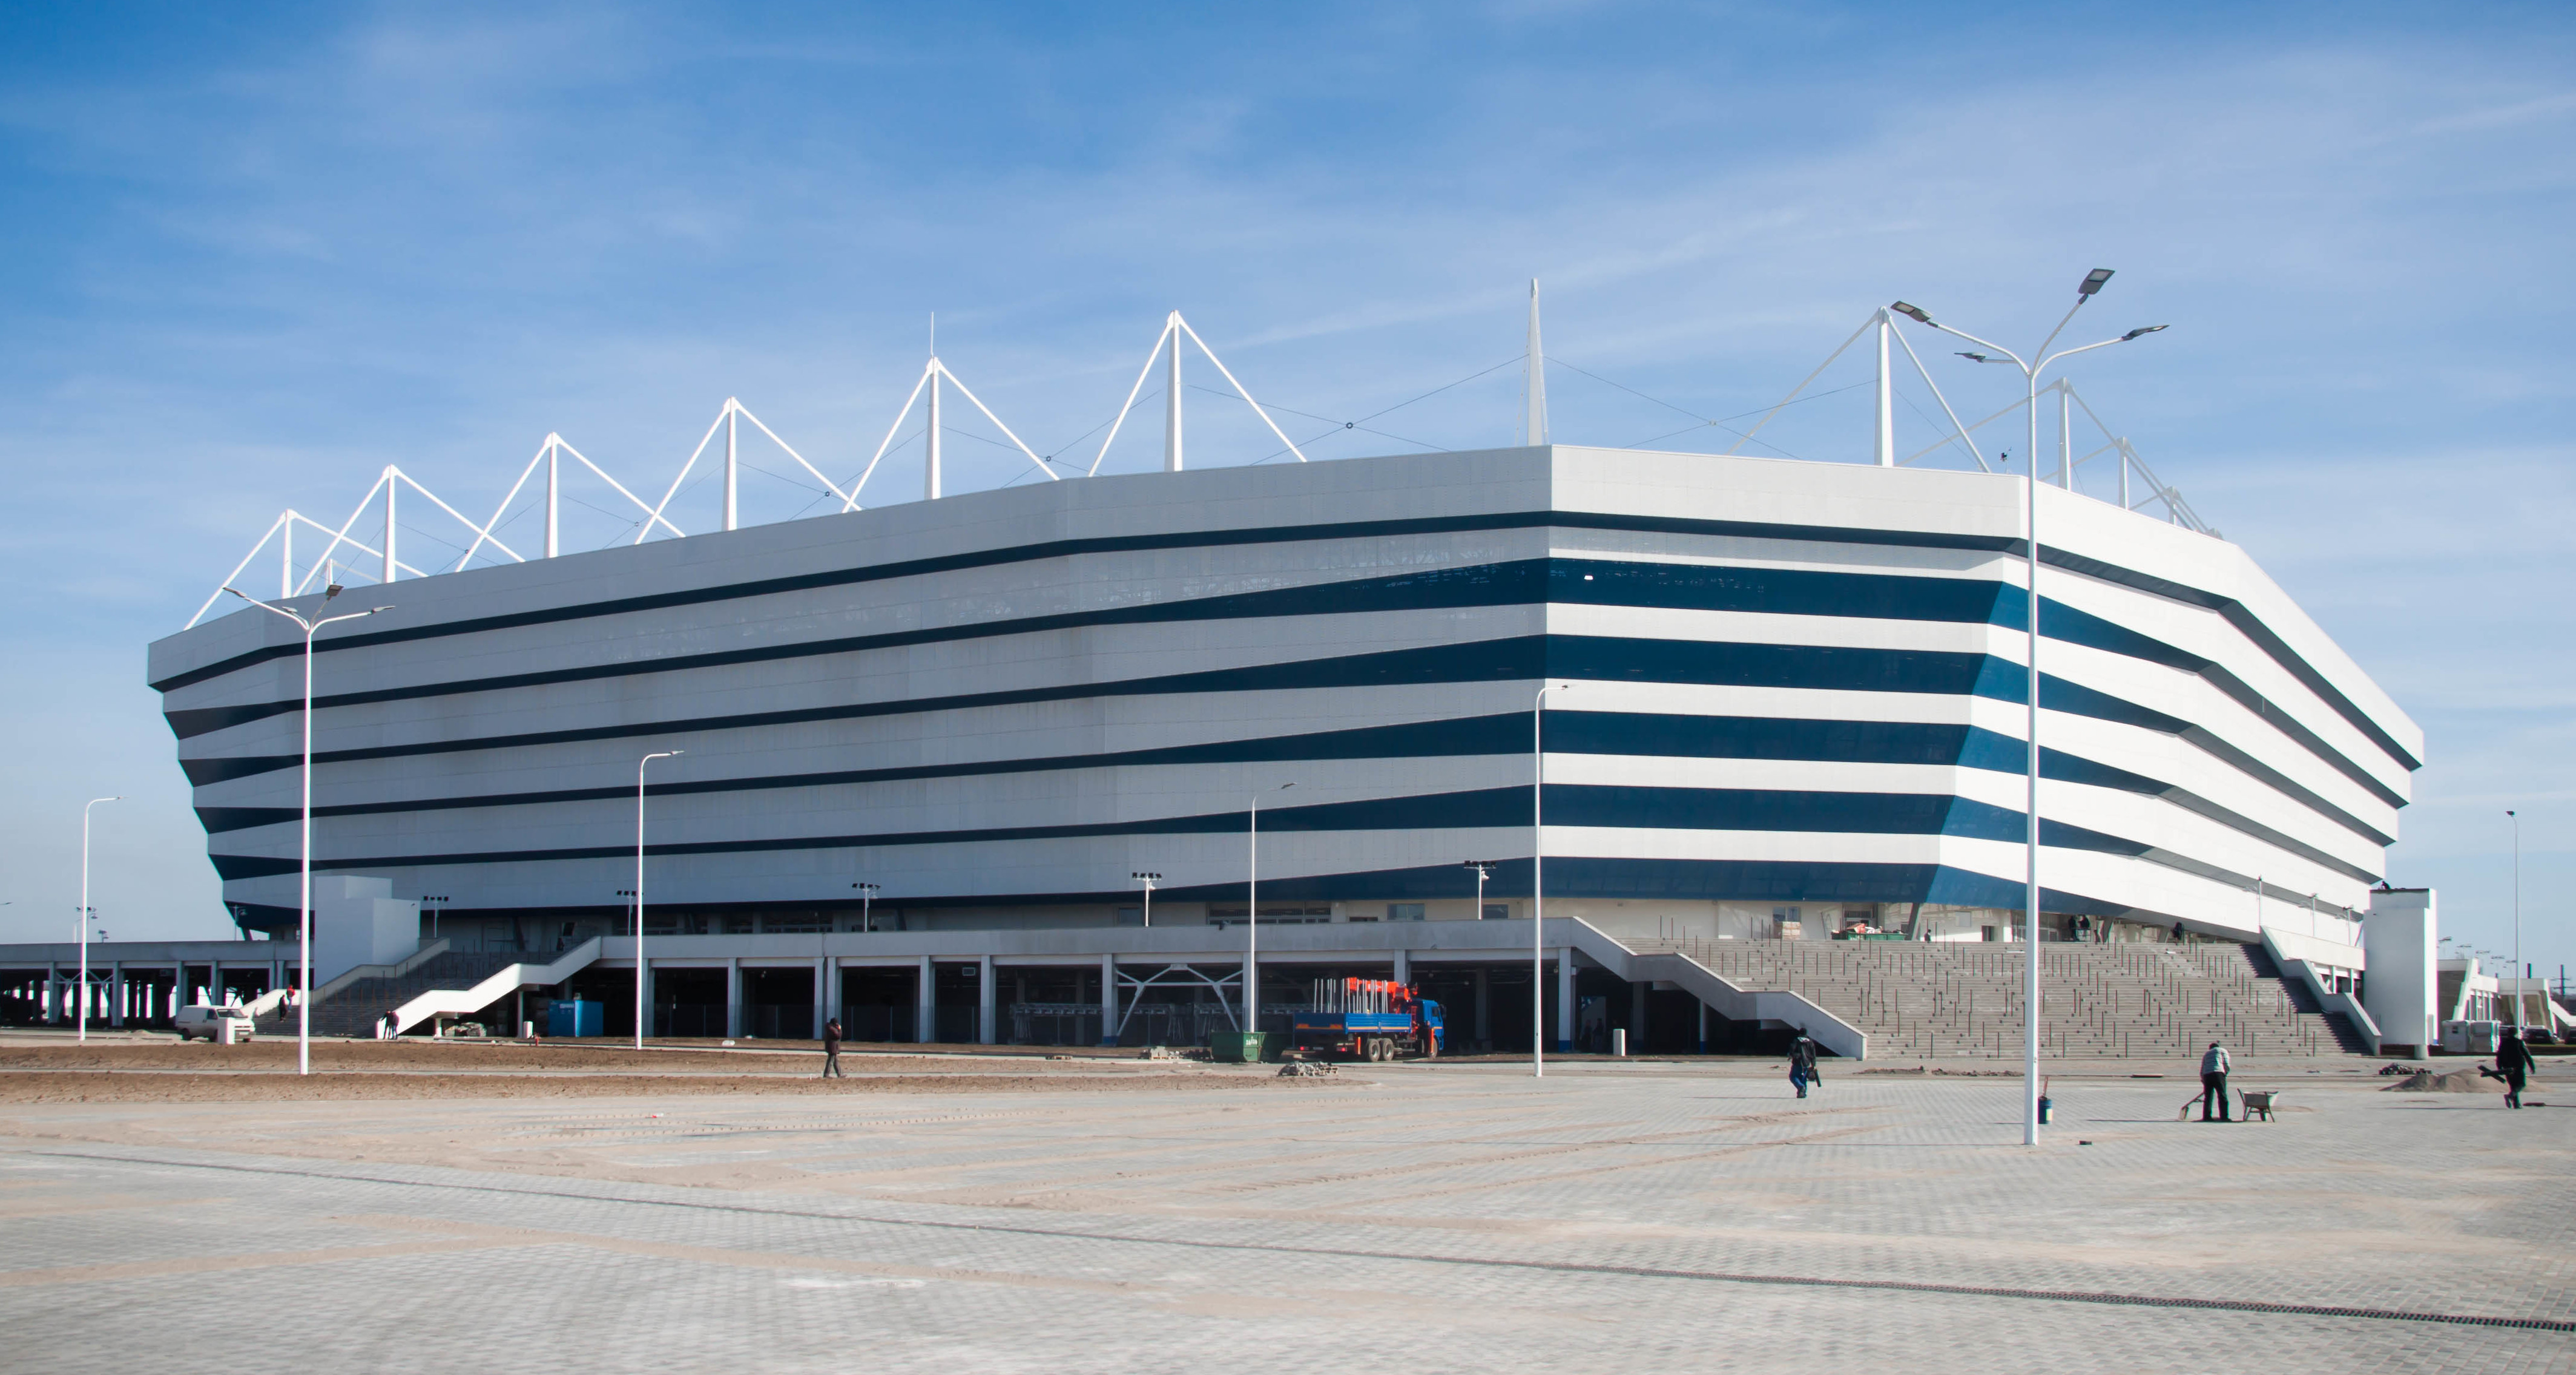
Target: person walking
<point>2514,1061</point>
<point>2214,1066</point>
<point>1802,1063</point>
<point>832,1050</point>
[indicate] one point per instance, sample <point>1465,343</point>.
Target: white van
<point>227,1024</point>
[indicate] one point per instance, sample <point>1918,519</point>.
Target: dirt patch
<point>2457,1081</point>
<point>76,1086</point>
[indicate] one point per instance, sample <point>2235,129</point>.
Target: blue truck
<point>1369,1019</point>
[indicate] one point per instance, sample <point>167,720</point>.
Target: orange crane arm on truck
<point>1369,1019</point>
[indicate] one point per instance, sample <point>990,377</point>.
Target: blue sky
<point>253,254</point>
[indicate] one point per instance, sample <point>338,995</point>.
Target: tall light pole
<point>1149,880</point>
<point>80,1003</point>
<point>1538,890</point>
<point>2039,360</point>
<point>867,895</point>
<point>640,1008</point>
<point>2517,917</point>
<point>304,933</point>
<point>1252,919</point>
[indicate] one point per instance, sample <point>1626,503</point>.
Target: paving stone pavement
<point>1637,1219</point>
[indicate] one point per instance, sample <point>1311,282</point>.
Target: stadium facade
<point>1792,707</point>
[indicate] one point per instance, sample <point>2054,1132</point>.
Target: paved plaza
<point>1627,1218</point>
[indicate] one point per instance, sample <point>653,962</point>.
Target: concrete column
<point>116,993</point>
<point>646,1012</point>
<point>53,990</point>
<point>1404,966</point>
<point>1703,1028</point>
<point>926,1003</point>
<point>986,1032</point>
<point>1564,1001</point>
<point>1108,1000</point>
<point>1484,1022</point>
<point>733,997</point>
<point>827,992</point>
<point>1637,1016</point>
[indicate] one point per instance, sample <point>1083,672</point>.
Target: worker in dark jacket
<point>2515,1063</point>
<point>1802,1064</point>
<point>832,1049</point>
<point>2214,1065</point>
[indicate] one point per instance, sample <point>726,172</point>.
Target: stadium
<point>923,757</point>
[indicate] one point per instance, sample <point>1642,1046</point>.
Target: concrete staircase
<point>353,1009</point>
<point>1944,1000</point>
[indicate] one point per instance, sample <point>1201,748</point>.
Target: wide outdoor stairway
<point>1922,999</point>
<point>355,1009</point>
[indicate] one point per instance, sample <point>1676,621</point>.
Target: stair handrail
<point>450,1001</point>
<point>1826,1029</point>
<point>395,970</point>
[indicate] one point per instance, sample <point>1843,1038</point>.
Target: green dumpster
<point>1239,1047</point>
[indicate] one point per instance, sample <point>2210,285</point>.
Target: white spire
<point>1534,385</point>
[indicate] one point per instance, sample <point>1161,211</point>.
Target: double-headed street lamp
<point>2031,368</point>
<point>867,896</point>
<point>80,1003</point>
<point>1149,880</point>
<point>304,987</point>
<point>640,1009</point>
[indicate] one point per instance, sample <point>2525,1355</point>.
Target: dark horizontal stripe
<point>2251,626</point>
<point>1521,658</point>
<point>1568,732</point>
<point>1112,544</point>
<point>1569,878</point>
<point>1571,805</point>
<point>2074,769</point>
<point>1568,805</point>
<point>1528,582</point>
<point>2071,626</point>
<point>2235,612</point>
<point>1594,582</point>
<point>1604,658</point>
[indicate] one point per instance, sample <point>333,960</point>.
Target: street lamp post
<point>2039,360</point>
<point>1538,890</point>
<point>304,931</point>
<point>1252,920</point>
<point>1484,870</point>
<point>2517,918</point>
<point>867,895</point>
<point>1149,880</point>
<point>640,1009</point>
<point>80,999</point>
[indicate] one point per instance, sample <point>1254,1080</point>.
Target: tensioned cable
<point>1360,425</point>
<point>1686,429</point>
<point>1343,425</point>
<point>1685,410</point>
<point>2086,1296</point>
